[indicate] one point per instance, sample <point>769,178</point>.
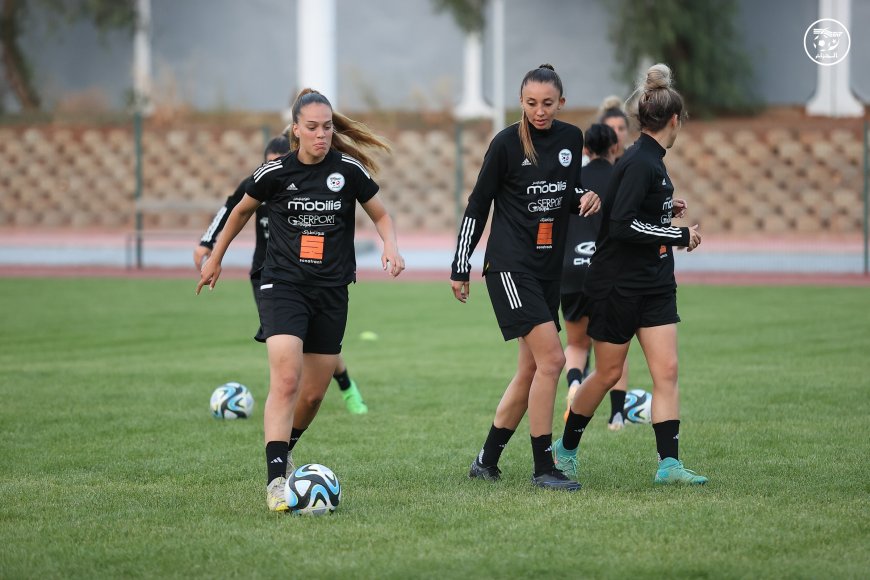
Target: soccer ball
<point>312,490</point>
<point>231,401</point>
<point>638,406</point>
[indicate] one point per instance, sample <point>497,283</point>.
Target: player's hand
<point>211,271</point>
<point>461,290</point>
<point>680,207</point>
<point>590,203</point>
<point>200,255</point>
<point>694,237</point>
<point>392,262</point>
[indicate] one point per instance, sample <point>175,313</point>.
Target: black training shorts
<point>575,306</point>
<point>522,301</point>
<point>316,314</point>
<point>616,318</point>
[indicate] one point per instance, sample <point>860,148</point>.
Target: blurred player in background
<point>531,173</point>
<point>631,282</point>
<point>311,196</point>
<point>613,115</point>
<point>601,145</point>
<point>276,148</point>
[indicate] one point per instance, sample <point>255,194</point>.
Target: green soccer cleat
<point>672,472</point>
<point>275,496</point>
<point>353,400</point>
<point>566,461</point>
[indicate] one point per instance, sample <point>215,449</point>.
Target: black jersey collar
<point>647,142</point>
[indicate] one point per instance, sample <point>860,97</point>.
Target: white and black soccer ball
<point>231,401</point>
<point>312,490</point>
<point>638,406</point>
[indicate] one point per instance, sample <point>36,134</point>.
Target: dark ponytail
<point>599,139</point>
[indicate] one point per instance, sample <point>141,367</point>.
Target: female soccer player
<point>531,172</point>
<point>311,196</point>
<point>614,117</point>
<point>631,281</point>
<point>602,146</point>
<point>276,148</point>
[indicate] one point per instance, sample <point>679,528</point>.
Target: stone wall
<point>743,177</point>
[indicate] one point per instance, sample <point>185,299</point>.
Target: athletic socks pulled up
<point>343,380</point>
<point>575,425</point>
<point>295,435</point>
<point>574,376</point>
<point>542,452</point>
<point>276,459</point>
<point>493,446</point>
<point>668,438</point>
<point>617,404</point>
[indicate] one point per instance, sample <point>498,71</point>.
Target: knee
<point>609,374</point>
<point>551,364</point>
<point>669,371</point>
<point>285,386</point>
<point>312,400</point>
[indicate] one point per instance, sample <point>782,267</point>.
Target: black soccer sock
<point>295,434</point>
<point>574,375</point>
<point>668,438</point>
<point>342,379</point>
<point>493,446</point>
<point>276,459</point>
<point>542,452</point>
<point>617,403</point>
<point>574,427</point>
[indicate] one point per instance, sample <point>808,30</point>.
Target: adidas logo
<point>277,460</point>
<point>292,187</point>
<point>526,162</point>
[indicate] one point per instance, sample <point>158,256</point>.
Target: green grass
<point>111,465</point>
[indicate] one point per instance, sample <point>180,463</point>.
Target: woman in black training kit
<point>311,194</point>
<point>277,147</point>
<point>532,174</point>
<point>602,145</point>
<point>631,282</point>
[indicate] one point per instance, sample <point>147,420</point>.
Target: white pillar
<point>315,47</point>
<point>498,121</point>
<point>142,58</point>
<point>833,97</point>
<point>472,104</point>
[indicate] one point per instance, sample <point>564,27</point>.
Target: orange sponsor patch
<point>311,248</point>
<point>545,234</point>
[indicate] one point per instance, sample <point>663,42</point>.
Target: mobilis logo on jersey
<point>320,216</point>
<point>540,187</point>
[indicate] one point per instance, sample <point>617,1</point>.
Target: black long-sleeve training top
<point>532,203</point>
<point>220,220</point>
<point>583,231</point>
<point>634,250</point>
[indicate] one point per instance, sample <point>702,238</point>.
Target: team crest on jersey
<point>335,182</point>
<point>565,157</point>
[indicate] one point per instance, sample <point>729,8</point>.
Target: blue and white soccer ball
<point>638,406</point>
<point>312,490</point>
<point>232,401</point>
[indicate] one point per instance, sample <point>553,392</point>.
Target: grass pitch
<point>113,467</point>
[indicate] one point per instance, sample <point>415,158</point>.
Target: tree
<point>698,40</point>
<point>14,15</point>
<point>468,14</point>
